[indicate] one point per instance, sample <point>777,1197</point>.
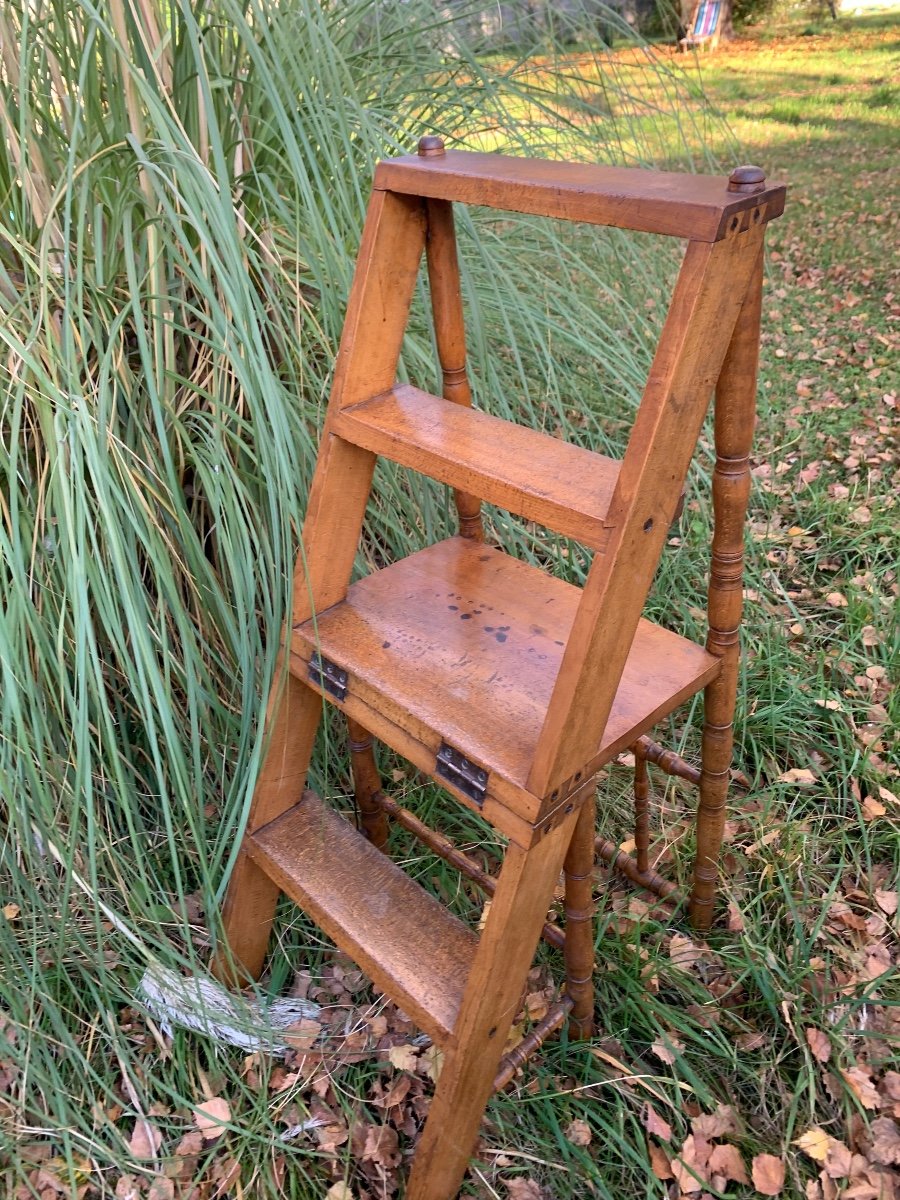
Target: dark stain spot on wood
<point>453,607</point>
<point>501,637</point>
<point>465,616</point>
<point>488,629</point>
<point>385,645</point>
<point>559,643</point>
<point>484,558</point>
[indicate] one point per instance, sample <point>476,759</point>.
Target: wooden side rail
<point>699,207</point>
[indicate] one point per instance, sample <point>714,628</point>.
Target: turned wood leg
<point>579,947</point>
<point>367,784</point>
<point>491,999</point>
<point>292,718</point>
<point>734,419</point>
<point>450,334</point>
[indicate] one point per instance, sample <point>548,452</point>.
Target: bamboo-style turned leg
<point>735,410</point>
<point>367,784</point>
<point>489,1005</point>
<point>641,812</point>
<point>449,326</point>
<point>579,947</point>
<point>292,718</point>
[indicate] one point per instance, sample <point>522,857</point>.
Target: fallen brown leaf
<point>885,1141</point>
<point>814,1143</point>
<point>210,1116</point>
<point>403,1058</point>
<point>683,953</point>
<point>726,1161</point>
<point>886,901</point>
<point>718,1124</point>
<point>819,1044</point>
<point>578,1132</point>
<point>660,1163</point>
<point>768,1174</point>
<point>838,1161</point>
<point>382,1146</point>
<point>667,1048</point>
<point>654,1123</point>
<point>145,1139</point>
<point>522,1188</point>
<point>689,1167</point>
<point>339,1191</point>
<point>859,1080</point>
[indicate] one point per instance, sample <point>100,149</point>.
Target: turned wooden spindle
<point>578,870</point>
<point>735,415</point>
<point>367,785</point>
<point>510,1063</point>
<point>449,327</point>
<point>641,813</point>
<point>666,760</point>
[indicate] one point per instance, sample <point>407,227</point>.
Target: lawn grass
<point>807,939</point>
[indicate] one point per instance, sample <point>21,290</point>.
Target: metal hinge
<point>328,675</point>
<point>465,776</point>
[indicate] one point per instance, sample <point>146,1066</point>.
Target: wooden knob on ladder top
<point>746,179</point>
<point>431,146</point>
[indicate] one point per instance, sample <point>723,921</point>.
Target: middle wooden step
<point>563,487</point>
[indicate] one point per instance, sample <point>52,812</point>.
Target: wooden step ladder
<point>508,687</point>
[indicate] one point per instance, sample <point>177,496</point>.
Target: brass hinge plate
<point>328,676</point>
<point>467,777</point>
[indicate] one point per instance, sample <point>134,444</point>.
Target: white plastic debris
<point>206,1007</point>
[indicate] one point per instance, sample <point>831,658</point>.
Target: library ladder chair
<point>508,687</point>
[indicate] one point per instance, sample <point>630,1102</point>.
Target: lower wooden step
<point>404,939</point>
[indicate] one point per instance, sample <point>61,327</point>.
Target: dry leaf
<point>521,1188</point>
<point>860,1083</point>
<point>667,1048</point>
<point>768,1174</point>
<point>660,1163</point>
<point>145,1139</point>
<point>11,911</point>
<point>836,600</point>
<point>814,1143</point>
<point>302,1034</point>
<point>210,1116</point>
<point>799,775</point>
<point>433,1062</point>
<point>689,1168</point>
<point>886,901</point>
<point>838,1160</point>
<point>382,1146</point>
<point>403,1058</point>
<point>654,1123</point>
<point>819,1044</point>
<point>718,1124</point>
<point>579,1133</point>
<point>726,1161</point>
<point>885,1141</point>
<point>536,1006</point>
<point>339,1191</point>
<point>162,1188</point>
<point>888,797</point>
<point>683,953</point>
<point>872,808</point>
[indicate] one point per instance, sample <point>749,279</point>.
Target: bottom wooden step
<point>404,939</point>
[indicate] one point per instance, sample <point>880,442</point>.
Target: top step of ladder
<point>703,208</point>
